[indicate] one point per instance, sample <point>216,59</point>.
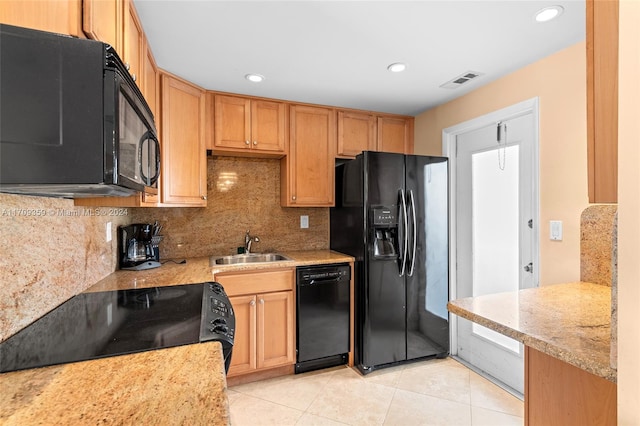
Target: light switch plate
<point>304,221</point>
<point>555,230</point>
<point>108,232</point>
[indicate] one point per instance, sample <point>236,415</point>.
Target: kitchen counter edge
<point>580,310</point>
<point>198,269</point>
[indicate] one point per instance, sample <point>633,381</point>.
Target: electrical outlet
<point>108,232</point>
<point>304,221</point>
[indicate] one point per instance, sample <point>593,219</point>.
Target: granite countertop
<point>198,269</point>
<point>570,322</point>
<point>173,386</point>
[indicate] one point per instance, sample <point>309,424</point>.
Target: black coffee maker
<point>137,249</point>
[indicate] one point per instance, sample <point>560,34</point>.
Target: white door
<point>495,217</point>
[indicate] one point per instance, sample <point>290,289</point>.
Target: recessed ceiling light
<point>549,13</point>
<point>397,67</point>
<point>254,78</point>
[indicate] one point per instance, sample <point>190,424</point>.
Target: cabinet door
<point>150,87</point>
<point>232,125</point>
<point>356,133</point>
<point>275,329</point>
<point>184,167</point>
<point>132,43</point>
<point>243,358</point>
<point>268,126</point>
<point>102,20</point>
<point>62,16</point>
<point>307,173</point>
<point>602,100</point>
<point>395,135</point>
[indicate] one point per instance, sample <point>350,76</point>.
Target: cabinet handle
<point>252,303</point>
<point>247,143</point>
<point>255,142</point>
<point>134,77</point>
<point>293,198</point>
<point>204,197</point>
<point>127,66</point>
<point>262,301</point>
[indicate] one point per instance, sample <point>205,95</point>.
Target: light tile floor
<point>433,392</point>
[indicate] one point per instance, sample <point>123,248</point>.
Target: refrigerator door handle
<point>414,231</point>
<point>405,232</point>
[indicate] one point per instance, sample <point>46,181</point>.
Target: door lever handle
<point>529,267</point>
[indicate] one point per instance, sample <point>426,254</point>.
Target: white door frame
<point>449,136</point>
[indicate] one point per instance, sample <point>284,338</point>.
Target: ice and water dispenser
<point>384,226</point>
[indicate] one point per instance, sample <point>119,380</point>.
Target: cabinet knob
<point>247,143</point>
<point>255,142</point>
<point>262,301</point>
<point>293,197</point>
<point>127,66</point>
<point>252,303</point>
<point>134,77</point>
<point>204,197</point>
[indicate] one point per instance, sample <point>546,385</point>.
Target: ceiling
<point>337,52</point>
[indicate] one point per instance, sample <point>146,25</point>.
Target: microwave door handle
<point>143,139</point>
<point>155,140</point>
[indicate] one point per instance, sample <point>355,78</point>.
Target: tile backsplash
<point>243,194</point>
<point>50,252</point>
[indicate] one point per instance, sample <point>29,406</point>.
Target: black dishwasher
<point>322,321</point>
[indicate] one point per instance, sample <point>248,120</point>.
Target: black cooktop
<point>96,325</point>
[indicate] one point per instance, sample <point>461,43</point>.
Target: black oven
<point>73,123</point>
<point>108,323</point>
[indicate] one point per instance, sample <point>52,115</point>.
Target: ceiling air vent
<point>463,78</point>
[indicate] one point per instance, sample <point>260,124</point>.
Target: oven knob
<point>216,287</point>
<point>219,321</point>
<point>220,328</point>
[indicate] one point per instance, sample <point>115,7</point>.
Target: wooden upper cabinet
<point>232,123</point>
<point>150,81</point>
<point>395,135</point>
<point>102,20</point>
<point>307,173</point>
<point>268,126</point>
<point>356,133</point>
<point>61,16</point>
<point>602,100</point>
<point>133,40</point>
<point>184,162</point>
<point>249,126</point>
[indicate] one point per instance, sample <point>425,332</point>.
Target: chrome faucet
<point>248,239</point>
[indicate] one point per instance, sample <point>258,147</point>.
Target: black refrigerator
<point>391,214</point>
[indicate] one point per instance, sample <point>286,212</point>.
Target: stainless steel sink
<point>248,258</point>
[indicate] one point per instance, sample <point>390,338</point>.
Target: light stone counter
<point>570,322</point>
<point>183,385</point>
<point>197,270</point>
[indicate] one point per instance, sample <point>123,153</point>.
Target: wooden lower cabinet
<point>558,393</point>
<point>265,327</point>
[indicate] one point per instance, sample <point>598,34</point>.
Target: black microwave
<point>73,123</point>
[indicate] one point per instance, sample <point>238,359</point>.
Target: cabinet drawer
<point>238,283</point>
